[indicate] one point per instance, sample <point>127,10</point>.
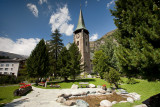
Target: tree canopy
<point>138,23</point>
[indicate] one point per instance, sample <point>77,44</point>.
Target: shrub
<point>8,79</point>
<point>131,81</point>
<point>113,76</point>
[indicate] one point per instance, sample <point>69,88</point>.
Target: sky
<point>23,23</point>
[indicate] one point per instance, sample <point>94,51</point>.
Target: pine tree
<point>64,63</point>
<point>55,47</point>
<point>76,67</point>
<point>138,23</point>
<point>100,64</point>
<point>38,62</point>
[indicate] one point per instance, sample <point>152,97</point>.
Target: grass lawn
<point>64,85</point>
<point>6,94</point>
<point>144,88</point>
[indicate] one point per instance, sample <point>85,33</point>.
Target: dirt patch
<point>94,100</point>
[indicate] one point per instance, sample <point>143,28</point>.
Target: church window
<point>77,43</point>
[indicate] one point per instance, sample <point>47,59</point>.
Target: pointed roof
<point>81,24</point>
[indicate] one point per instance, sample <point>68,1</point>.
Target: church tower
<point>81,38</point>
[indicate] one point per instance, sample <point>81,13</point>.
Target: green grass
<point>6,94</point>
<point>64,85</point>
<point>144,88</point>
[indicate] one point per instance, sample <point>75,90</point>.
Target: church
<point>81,39</point>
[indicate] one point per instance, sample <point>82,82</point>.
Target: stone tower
<point>81,38</point>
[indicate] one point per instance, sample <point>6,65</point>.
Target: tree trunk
<point>65,79</point>
<point>116,85</point>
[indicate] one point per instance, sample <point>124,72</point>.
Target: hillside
<point>95,44</point>
<point>12,55</point>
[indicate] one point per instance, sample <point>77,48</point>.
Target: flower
<point>22,83</point>
<point>104,85</point>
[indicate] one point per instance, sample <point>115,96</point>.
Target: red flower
<point>104,85</point>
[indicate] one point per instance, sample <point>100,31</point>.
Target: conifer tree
<point>55,47</point>
<point>75,67</point>
<point>138,23</point>
<point>100,63</point>
<point>64,63</point>
<point>38,62</point>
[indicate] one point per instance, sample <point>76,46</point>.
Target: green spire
<point>81,24</point>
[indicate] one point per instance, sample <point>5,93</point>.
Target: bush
<point>131,81</point>
<point>113,76</point>
<point>8,79</point>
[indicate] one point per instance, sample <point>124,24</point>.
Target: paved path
<point>42,98</point>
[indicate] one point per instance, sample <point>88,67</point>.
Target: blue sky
<point>24,22</point>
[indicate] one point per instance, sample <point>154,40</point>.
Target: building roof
<point>11,60</point>
<point>81,24</point>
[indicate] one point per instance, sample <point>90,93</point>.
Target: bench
<point>84,84</point>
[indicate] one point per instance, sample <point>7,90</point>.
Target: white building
<point>10,66</point>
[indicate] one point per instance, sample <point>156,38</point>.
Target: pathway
<point>42,98</point>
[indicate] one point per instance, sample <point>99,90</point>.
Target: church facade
<point>81,39</point>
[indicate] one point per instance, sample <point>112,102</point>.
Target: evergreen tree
<point>138,23</point>
<point>64,63</point>
<point>75,67</point>
<point>55,47</point>
<point>38,62</point>
<point>100,63</point>
<point>109,49</point>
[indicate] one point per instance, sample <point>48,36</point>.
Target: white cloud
<point>60,19</point>
<point>86,3</point>
<point>110,3</point>
<point>94,37</point>
<point>33,9</point>
<point>42,1</point>
<point>20,46</point>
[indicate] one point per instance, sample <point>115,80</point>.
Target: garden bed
<point>94,100</point>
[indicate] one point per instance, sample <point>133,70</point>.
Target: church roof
<point>81,24</point>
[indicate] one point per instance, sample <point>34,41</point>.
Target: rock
<point>74,86</point>
<point>118,93</point>
<point>105,103</point>
<point>142,105</point>
<point>76,93</point>
<point>61,100</point>
<point>70,102</point>
<point>114,102</point>
<point>102,91</point>
<point>109,90</point>
<point>92,92</point>
<point>61,95</point>
<point>129,99</point>
<point>82,103</point>
<point>122,101</point>
<point>98,86</point>
<point>92,86</point>
<point>135,96</point>
<point>67,95</point>
<point>83,93</point>
<point>89,76</point>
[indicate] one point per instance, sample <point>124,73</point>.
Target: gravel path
<point>43,97</point>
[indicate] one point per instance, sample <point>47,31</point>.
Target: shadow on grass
<point>72,81</point>
<point>2,105</point>
<point>16,103</point>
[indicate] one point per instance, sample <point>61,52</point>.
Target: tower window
<point>86,43</point>
<point>77,43</point>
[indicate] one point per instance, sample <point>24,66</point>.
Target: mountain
<point>94,45</point>
<point>12,55</point>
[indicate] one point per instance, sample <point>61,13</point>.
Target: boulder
<point>82,103</point>
<point>123,102</point>
<point>74,93</point>
<point>105,103</point>
<point>135,96</point>
<point>92,92</point>
<point>67,95</point>
<point>109,90</point>
<point>61,100</point>
<point>74,86</point>
<point>61,95</point>
<point>70,102</point>
<point>83,93</point>
<point>114,102</point>
<point>92,86</point>
<point>142,105</point>
<point>98,86</point>
<point>102,91</point>
<point>129,99</point>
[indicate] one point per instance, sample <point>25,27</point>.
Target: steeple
<point>81,24</point>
